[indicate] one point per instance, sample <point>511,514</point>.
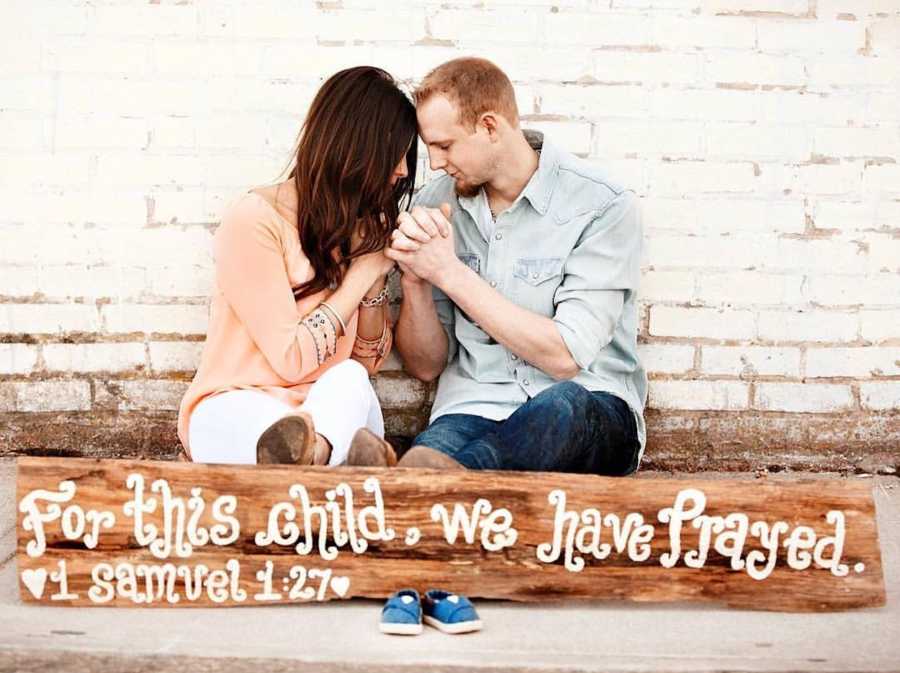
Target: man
<point>520,268</point>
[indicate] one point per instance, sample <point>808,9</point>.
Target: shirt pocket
<point>537,270</point>
<point>471,260</point>
<point>537,279</point>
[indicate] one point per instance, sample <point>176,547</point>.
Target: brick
<point>246,132</point>
<point>882,179</point>
<point>593,101</point>
<point>685,177</point>
<point>749,288</point>
<point>93,282</point>
<point>154,20</point>
<point>646,67</point>
<point>869,290</point>
<point>830,256</point>
<point>69,55</point>
<point>155,318</point>
<point>844,215</point>
<point>698,395</point>
<point>738,141</point>
<point>803,397</point>
<point>704,32</point>
<point>857,362</point>
<point>48,318</point>
<point>103,357</point>
<point>817,36</point>
<point>883,252</point>
<point>524,63</point>
<point>857,142</point>
<point>33,171</point>
<point>754,68</point>
<point>175,356</point>
<point>151,395</point>
<point>53,396</point>
<point>304,59</point>
<point>666,358</point>
<point>405,26</point>
<point>400,392</point>
<point>594,29</point>
<point>667,286</point>
<point>704,104</point>
<point>845,178</point>
<point>829,71</point>
<point>880,395</point>
<point>884,35</point>
<point>787,7</point>
<point>99,132</point>
<point>682,139</point>
<point>814,326</point>
<point>17,280</point>
<point>702,251</point>
<point>887,215</point>
<point>879,325</point>
<point>17,358</point>
<point>702,322</point>
<point>171,281</point>
<point>190,246</point>
<point>750,361</point>
<point>23,134</point>
<point>832,107</point>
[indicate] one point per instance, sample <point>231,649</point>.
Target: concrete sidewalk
<point>576,636</point>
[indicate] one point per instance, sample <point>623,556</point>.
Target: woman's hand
<point>375,262</point>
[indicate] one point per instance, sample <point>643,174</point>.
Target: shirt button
<point>534,275</point>
<point>525,382</point>
<point>514,356</point>
<point>493,283</point>
<point>498,236</point>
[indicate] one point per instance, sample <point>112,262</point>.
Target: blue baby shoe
<point>450,613</point>
<point>402,614</point>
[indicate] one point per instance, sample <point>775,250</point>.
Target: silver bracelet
<point>377,300</point>
<point>336,315</point>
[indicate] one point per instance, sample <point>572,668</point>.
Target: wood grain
<point>514,572</point>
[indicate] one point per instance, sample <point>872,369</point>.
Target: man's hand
<point>423,243</point>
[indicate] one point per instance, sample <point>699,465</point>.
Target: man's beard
<point>467,189</point>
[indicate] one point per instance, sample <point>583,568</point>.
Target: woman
<point>299,317</point>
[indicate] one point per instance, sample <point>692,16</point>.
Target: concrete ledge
<point>568,636</point>
<point>678,441</point>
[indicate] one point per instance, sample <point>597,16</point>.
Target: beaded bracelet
<point>371,347</point>
<point>377,300</point>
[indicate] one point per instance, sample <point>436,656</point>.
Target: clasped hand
<point>422,244</point>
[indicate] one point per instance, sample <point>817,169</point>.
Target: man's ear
<point>489,122</point>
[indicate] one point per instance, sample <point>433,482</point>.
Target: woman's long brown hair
<point>358,128</point>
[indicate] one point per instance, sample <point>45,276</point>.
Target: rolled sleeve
<point>599,274</point>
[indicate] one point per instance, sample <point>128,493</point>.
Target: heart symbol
<point>340,585</point>
<point>413,535</point>
<point>34,580</point>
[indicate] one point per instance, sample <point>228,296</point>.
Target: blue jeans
<point>565,428</point>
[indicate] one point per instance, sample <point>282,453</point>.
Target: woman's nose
<point>401,170</point>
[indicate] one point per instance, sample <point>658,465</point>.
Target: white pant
<point>224,428</point>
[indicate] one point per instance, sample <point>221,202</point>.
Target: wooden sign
<point>150,534</point>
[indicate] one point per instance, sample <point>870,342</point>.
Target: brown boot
<point>369,450</point>
<point>423,456</point>
<point>289,440</point>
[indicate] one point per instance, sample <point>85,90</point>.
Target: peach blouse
<point>256,339</point>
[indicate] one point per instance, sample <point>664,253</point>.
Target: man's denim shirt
<point>568,248</point>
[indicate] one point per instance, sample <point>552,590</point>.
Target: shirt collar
<point>539,187</point>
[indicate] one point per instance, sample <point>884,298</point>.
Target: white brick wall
<point>763,137</point>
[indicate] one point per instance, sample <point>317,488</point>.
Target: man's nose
<point>437,162</point>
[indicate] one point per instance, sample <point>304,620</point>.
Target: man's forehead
<point>438,119</point>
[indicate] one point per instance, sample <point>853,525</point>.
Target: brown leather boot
<point>424,456</point>
<point>289,440</point>
<point>369,450</point>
